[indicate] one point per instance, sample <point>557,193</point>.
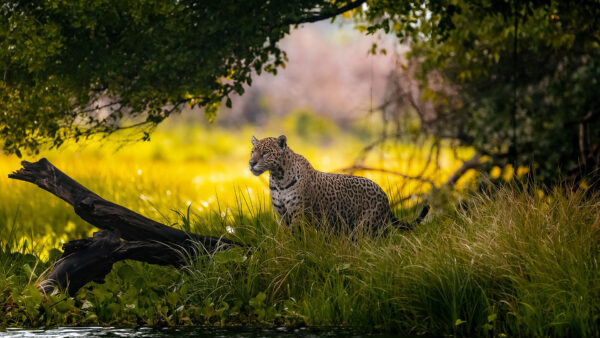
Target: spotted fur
<point>300,191</point>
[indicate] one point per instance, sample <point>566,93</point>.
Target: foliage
<point>482,269</point>
<point>517,80</point>
<point>514,79</point>
<point>74,68</point>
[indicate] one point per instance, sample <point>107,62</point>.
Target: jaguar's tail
<point>408,226</point>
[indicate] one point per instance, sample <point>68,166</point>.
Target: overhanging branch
<point>326,14</point>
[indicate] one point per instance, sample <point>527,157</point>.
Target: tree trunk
<point>91,259</point>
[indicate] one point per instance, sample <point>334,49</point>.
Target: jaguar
<point>298,191</point>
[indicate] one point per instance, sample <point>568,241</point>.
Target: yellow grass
<point>182,165</point>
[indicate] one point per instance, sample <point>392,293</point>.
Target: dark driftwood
<point>90,259</point>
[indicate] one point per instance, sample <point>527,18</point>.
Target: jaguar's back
<point>349,201</point>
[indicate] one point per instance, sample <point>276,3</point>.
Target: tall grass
<point>182,165</point>
<point>507,261</point>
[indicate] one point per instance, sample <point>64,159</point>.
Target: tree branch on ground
<point>90,259</point>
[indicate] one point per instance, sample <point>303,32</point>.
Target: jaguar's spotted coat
<point>298,190</point>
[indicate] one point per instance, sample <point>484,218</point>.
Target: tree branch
<point>472,163</point>
<point>363,168</point>
<point>404,199</point>
<point>325,15</point>
<point>90,259</point>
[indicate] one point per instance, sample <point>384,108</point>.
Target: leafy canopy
<point>517,80</point>
<point>72,68</point>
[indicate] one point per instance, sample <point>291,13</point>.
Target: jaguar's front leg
<point>292,217</point>
<point>287,219</point>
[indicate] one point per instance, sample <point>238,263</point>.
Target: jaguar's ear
<point>254,140</point>
<point>282,141</point>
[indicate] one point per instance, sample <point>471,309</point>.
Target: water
<point>197,331</point>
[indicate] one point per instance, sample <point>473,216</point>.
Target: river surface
<point>197,331</point>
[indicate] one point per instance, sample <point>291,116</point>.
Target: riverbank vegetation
<point>515,259</point>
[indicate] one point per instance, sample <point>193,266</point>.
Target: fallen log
<point>91,259</point>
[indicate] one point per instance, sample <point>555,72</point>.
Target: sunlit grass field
<point>205,168</point>
<point>513,260</point>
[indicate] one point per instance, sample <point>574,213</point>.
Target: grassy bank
<point>507,262</point>
<point>186,164</point>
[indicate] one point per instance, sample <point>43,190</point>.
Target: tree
<point>73,68</point>
<point>517,80</point>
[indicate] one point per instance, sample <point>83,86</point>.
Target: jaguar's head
<point>267,154</point>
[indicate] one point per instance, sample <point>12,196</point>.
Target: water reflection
<point>200,331</point>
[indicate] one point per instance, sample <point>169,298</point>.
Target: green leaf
<point>234,255</point>
<point>257,302</point>
<point>139,283</point>
<point>260,313</point>
<point>64,306</point>
<point>102,295</point>
<point>113,309</point>
<point>173,298</point>
<point>126,272</point>
<point>29,271</point>
<point>32,294</point>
